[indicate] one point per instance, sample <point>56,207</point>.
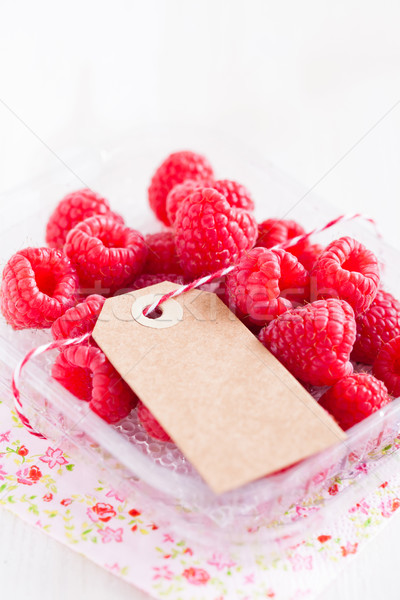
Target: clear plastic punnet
<point>272,512</point>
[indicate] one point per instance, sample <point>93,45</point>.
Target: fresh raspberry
<point>314,341</point>
<point>79,319</point>
<point>161,253</point>
<point>354,398</point>
<point>150,423</point>
<point>85,372</point>
<point>348,270</point>
<point>387,366</point>
<point>38,286</point>
<point>147,279</point>
<point>179,193</point>
<point>273,232</point>
<point>176,168</point>
<point>378,325</point>
<point>266,282</point>
<point>73,209</point>
<point>210,234</point>
<point>236,194</point>
<point>105,253</point>
<point>308,256</point>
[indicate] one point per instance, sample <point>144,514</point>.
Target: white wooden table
<point>314,86</point>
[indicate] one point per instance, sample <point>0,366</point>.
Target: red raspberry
<point>73,209</point>
<point>161,253</point>
<point>106,253</point>
<point>378,325</point>
<point>236,194</point>
<point>179,193</point>
<point>79,319</point>
<point>273,232</point>
<point>314,341</point>
<point>85,372</point>
<point>266,282</point>
<point>348,270</point>
<point>354,398</point>
<point>147,279</point>
<point>175,169</point>
<point>38,286</point>
<point>150,423</point>
<point>210,234</point>
<point>387,366</point>
<point>307,256</point>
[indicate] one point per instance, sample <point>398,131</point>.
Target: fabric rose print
<point>29,475</point>
<point>196,576</point>
<point>101,512</point>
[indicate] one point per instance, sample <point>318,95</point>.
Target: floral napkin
<point>67,500</point>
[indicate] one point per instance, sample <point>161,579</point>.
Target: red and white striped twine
<point>180,290</point>
<point>18,369</point>
<point>222,272</point>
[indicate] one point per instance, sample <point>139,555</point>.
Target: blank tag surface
<point>234,411</point>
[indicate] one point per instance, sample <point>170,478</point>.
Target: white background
<point>312,85</point>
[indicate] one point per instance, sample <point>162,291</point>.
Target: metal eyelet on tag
<point>171,312</point>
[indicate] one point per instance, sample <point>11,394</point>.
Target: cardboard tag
<point>234,411</point>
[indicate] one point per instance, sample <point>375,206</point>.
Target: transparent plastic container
<point>272,512</point>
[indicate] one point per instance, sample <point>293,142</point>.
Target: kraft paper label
<point>234,411</point>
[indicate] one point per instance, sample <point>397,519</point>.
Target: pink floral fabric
<point>67,500</point>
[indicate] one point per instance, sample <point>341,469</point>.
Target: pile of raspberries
<point>317,309</point>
